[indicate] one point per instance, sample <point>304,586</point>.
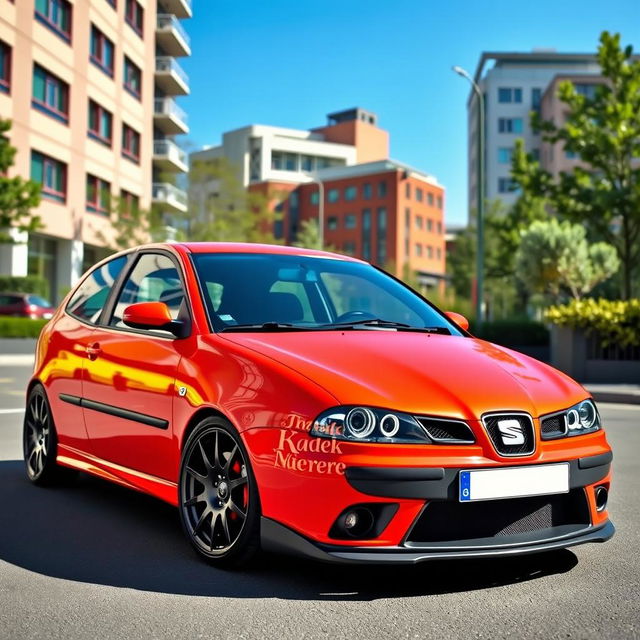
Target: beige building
<point>91,101</point>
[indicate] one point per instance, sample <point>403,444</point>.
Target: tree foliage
<point>603,191</point>
<point>17,195</point>
<point>554,257</point>
<point>223,210</point>
<point>308,235</point>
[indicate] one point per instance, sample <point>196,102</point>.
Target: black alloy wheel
<point>219,506</point>
<point>39,439</point>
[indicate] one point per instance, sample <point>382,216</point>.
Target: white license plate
<point>514,482</point>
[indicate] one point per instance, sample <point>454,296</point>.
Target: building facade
<point>513,86</point>
<point>79,85</point>
<point>374,208</point>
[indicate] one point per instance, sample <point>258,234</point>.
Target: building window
<point>5,67</point>
<point>130,143</point>
<point>349,248</point>
<point>504,155</point>
<point>419,222</point>
<point>536,98</point>
<point>418,250</point>
<point>132,78</point>
<point>350,193</point>
<point>382,189</point>
<point>535,154</point>
<point>407,191</point>
<point>430,199</point>
<point>350,221</point>
<point>429,224</point>
<point>439,202</point>
<point>509,125</point>
<point>382,236</point>
<point>101,51</point>
<point>366,191</point>
<point>366,234</point>
<point>277,160</point>
<point>133,16</point>
<point>429,251</point>
<point>290,161</point>
<point>98,195</point>
<point>419,194</point>
<point>315,198</point>
<point>333,195</point>
<point>506,185</point>
<point>586,90</point>
<point>570,155</point>
<point>509,94</point>
<point>51,174</point>
<point>439,253</point>
<point>439,228</point>
<point>129,203</point>
<point>100,124</point>
<point>332,223</point>
<point>56,15</point>
<point>50,94</point>
<point>306,163</point>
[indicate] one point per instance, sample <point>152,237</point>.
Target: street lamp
<point>481,197</point>
<point>320,210</point>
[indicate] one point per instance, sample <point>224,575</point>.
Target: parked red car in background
<point>25,305</point>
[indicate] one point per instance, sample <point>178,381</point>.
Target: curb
<point>616,397</point>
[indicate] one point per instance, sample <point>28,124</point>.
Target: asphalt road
<point>93,560</point>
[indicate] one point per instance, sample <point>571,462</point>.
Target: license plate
<point>514,482</point>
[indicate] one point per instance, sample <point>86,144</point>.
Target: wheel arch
<point>196,418</point>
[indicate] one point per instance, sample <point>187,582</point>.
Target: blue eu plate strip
<point>465,486</point>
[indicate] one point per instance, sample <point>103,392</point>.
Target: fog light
<point>602,495</point>
<point>351,520</point>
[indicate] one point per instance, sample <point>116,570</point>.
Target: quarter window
<point>90,297</point>
<point>101,51</point>
<point>153,279</point>
<point>50,94</point>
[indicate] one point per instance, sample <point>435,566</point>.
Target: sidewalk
<point>618,393</point>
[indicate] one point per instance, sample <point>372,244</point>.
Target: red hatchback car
<point>308,402</point>
<point>25,305</point>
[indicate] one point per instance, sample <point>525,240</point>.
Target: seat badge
<point>182,391</point>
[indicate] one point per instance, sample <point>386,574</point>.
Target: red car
<point>25,305</point>
<point>306,402</point>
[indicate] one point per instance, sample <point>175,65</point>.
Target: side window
<point>90,297</point>
<point>153,279</point>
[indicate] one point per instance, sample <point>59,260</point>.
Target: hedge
<point>13,327</point>
<point>613,321</point>
<point>24,284</point>
<point>513,333</point>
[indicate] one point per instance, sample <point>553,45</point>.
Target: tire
<point>218,496</point>
<point>40,441</point>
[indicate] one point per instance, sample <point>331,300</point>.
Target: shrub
<point>24,284</point>
<point>11,327</point>
<point>613,321</point>
<point>517,332</point>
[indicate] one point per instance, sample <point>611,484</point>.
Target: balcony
<point>180,8</point>
<point>171,36</point>
<point>167,155</point>
<point>169,197</point>
<point>170,77</point>
<point>169,117</point>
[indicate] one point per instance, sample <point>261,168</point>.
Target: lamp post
<point>481,197</point>
<point>320,210</point>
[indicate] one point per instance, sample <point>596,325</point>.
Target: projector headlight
<point>582,418</point>
<point>367,424</point>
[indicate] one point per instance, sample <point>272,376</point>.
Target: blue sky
<point>290,62</point>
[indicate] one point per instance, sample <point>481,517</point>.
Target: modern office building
<point>83,85</point>
<point>513,85</point>
<point>374,208</point>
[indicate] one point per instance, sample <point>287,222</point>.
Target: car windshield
<point>248,291</point>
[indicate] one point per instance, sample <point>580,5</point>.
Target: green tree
<point>555,257</point>
<point>308,235</point>
<point>603,130</point>
<point>17,195</point>
<point>223,210</point>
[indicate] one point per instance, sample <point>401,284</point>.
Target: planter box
<point>582,358</point>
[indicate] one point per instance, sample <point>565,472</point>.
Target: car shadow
<point>96,532</point>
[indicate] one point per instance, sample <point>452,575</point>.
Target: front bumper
<point>279,539</point>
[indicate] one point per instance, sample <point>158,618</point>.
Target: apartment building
<point>374,208</point>
<point>513,85</point>
<point>79,84</point>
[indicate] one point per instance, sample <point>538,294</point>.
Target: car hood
<point>418,372</point>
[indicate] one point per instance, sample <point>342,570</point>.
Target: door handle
<point>93,351</point>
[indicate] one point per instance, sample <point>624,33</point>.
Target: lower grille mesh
<point>451,521</point>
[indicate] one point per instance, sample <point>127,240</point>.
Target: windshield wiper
<point>385,324</point>
<point>266,327</point>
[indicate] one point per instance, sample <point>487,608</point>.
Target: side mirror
<point>152,315</point>
<point>458,318</point>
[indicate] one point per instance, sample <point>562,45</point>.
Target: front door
<point>129,382</point>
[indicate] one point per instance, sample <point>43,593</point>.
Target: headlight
<point>582,418</point>
<point>366,424</point>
